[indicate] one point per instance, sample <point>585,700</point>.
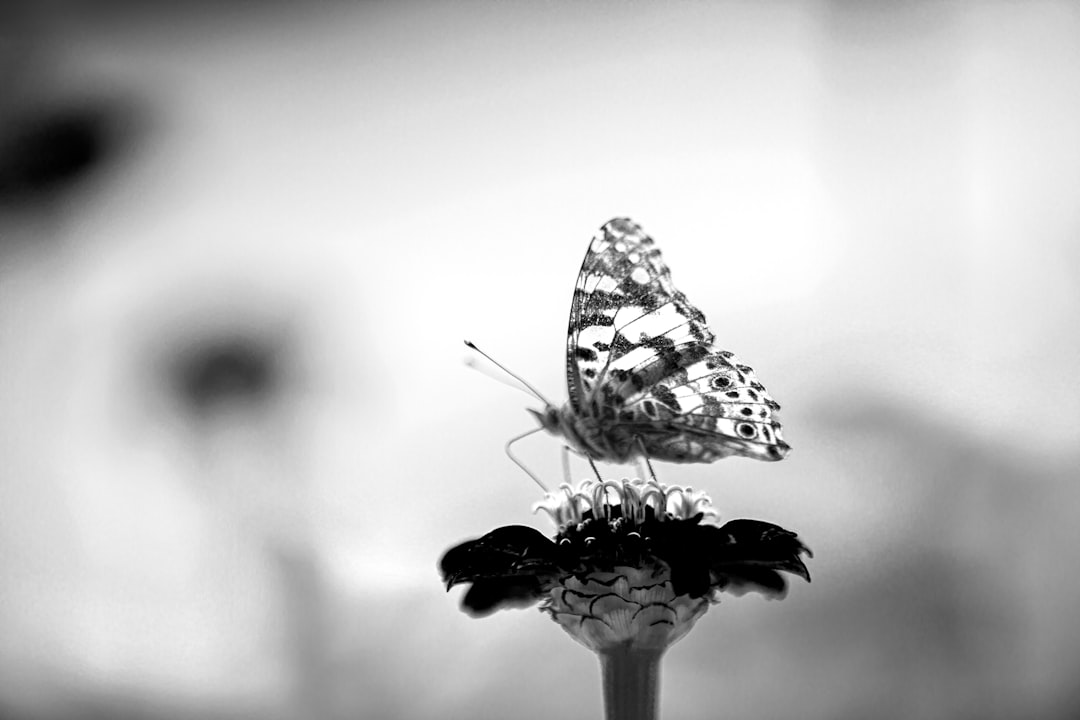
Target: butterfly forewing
<point>642,370</point>
<point>629,326</point>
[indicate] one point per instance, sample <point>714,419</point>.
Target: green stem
<point>631,683</point>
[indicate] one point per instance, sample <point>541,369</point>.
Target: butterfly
<point>643,375</point>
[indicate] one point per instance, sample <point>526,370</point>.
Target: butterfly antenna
<point>520,464</point>
<point>527,387</point>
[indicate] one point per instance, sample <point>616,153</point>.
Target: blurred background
<point>241,244</point>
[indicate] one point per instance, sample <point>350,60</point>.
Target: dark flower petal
<point>742,544</point>
<point>767,582</point>
<point>506,552</point>
<point>679,543</point>
<point>490,594</point>
<point>691,579</point>
<point>740,556</point>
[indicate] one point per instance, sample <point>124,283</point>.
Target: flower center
<point>623,501</point>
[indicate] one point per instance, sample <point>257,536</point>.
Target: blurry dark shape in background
<point>237,369</point>
<point>56,131</point>
<point>46,151</point>
<point>229,363</point>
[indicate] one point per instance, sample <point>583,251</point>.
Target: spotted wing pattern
<point>642,369</point>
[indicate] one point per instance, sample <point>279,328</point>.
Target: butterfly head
<point>550,419</point>
<point>562,422</point>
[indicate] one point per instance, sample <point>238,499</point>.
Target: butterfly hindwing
<point>642,369</point>
<point>712,409</point>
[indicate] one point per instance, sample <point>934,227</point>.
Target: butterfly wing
<point>629,326</point>
<point>642,367</point>
<point>714,408</point>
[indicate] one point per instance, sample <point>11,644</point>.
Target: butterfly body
<point>643,374</point>
<point>593,439</point>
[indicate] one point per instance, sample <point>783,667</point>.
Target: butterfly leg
<point>645,457</point>
<point>593,466</point>
<point>566,463</point>
<point>520,464</point>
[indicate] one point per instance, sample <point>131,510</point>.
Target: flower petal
<point>508,568</point>
<point>746,555</point>
<point>490,594</point>
<point>769,583</point>
<point>753,542</point>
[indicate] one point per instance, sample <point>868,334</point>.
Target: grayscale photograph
<point>641,360</point>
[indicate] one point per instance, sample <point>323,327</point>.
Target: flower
<point>633,563</point>
<point>633,566</point>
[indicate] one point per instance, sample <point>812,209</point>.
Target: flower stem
<point>631,682</point>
